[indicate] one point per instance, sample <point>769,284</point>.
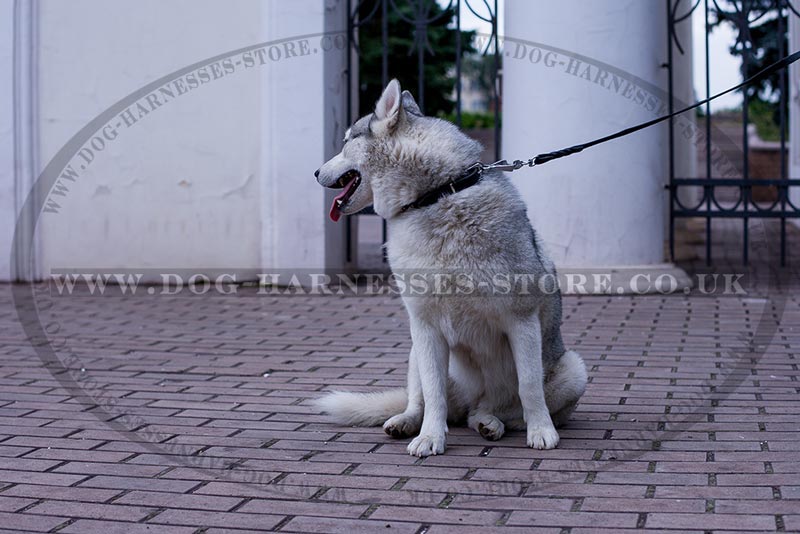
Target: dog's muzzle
<point>349,181</point>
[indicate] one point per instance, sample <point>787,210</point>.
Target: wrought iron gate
<point>762,31</point>
<point>417,16</point>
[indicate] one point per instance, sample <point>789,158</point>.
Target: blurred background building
<point>184,134</point>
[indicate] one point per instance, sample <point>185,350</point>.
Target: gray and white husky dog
<point>495,361</point>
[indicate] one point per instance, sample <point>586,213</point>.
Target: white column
<point>686,124</point>
<point>794,112</point>
<point>18,133</point>
<point>7,202</point>
<point>686,133</point>
<point>596,69</point>
<point>302,125</point>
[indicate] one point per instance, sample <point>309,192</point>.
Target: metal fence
<point>416,17</point>
<point>725,190</point>
<point>745,189</point>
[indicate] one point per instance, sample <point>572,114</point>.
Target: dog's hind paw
<point>542,436</point>
<point>488,426</point>
<point>492,430</point>
<point>427,445</point>
<point>402,425</point>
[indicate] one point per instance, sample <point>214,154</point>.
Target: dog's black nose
<point>316,173</point>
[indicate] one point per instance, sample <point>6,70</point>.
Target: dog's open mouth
<point>349,181</point>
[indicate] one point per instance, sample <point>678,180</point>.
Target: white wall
<point>605,206</point>
<point>7,202</point>
<point>180,188</point>
<point>219,177</point>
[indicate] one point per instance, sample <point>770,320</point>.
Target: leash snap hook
<point>504,165</point>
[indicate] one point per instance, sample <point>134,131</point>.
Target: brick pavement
<point>205,423</point>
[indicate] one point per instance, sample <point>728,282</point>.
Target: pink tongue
<point>336,213</point>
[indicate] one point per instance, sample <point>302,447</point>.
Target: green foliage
<point>762,114</point>
<point>479,69</point>
<point>766,45</point>
<point>471,120</point>
<point>439,68</point>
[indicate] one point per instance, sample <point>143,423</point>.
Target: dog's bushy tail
<point>363,409</point>
<point>565,386</point>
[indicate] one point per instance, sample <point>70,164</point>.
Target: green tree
<point>438,39</point>
<point>763,38</point>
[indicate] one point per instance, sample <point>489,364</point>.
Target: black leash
<point>550,156</point>
<point>473,173</point>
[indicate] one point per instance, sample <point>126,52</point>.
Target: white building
<point>173,134</point>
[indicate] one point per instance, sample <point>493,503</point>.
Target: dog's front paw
<point>542,436</point>
<point>427,445</point>
<point>402,425</point>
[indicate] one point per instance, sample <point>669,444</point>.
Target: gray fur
<point>495,360</point>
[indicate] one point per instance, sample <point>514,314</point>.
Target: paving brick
<point>422,471</point>
<point>27,464</point>
<point>467,529</point>
<point>593,530</point>
<point>92,510</point>
<point>585,490</point>
<point>102,468</point>
<point>792,522</point>
<point>33,477</point>
<point>601,504</point>
<point>28,522</point>
<point>712,521</point>
<point>328,524</point>
<point>566,519</point>
<point>349,481</point>
<point>714,492</point>
<point>13,452</point>
<point>77,494</point>
<point>179,500</point>
<point>479,502</point>
<point>79,455</point>
<point>232,473</point>
<point>772,506</point>
<point>671,425</point>
<point>151,484</point>
<point>309,508</point>
<point>40,442</point>
<point>200,518</point>
<point>438,515</point>
<point>83,526</point>
<point>373,496</point>
<point>12,504</point>
<point>264,491</point>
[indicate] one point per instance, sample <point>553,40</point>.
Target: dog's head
<point>393,155</point>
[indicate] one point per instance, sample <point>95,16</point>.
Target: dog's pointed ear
<point>409,104</point>
<point>389,107</point>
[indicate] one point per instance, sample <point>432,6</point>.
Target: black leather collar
<point>468,178</point>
